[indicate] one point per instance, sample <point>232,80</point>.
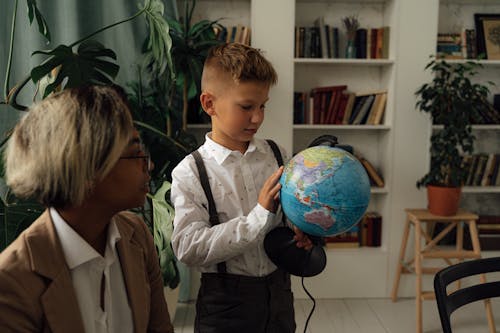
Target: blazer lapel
<point>134,270</point>
<point>47,259</point>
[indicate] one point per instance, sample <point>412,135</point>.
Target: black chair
<point>482,291</point>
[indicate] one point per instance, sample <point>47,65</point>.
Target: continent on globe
<point>325,190</point>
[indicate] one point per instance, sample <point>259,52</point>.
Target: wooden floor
<point>369,316</point>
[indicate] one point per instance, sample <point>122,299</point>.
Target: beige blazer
<point>36,290</point>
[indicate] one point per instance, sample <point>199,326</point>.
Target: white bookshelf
<point>455,15</point>
<point>345,275</point>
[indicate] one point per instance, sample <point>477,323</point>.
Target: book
<point>325,99</point>
<point>371,171</point>
<point>377,109</point>
<point>472,169</point>
<point>340,112</point>
<point>349,238</point>
<point>319,23</point>
<point>360,43</point>
<point>385,42</point>
<point>351,97</point>
<point>335,104</point>
<point>481,165</point>
<point>365,106</point>
<point>488,170</point>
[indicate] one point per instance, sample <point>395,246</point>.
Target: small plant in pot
<point>454,102</point>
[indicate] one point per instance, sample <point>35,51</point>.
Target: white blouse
<point>87,268</point>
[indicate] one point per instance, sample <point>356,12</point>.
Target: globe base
<point>281,248</point>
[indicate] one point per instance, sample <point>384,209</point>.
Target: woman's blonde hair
<point>67,142</point>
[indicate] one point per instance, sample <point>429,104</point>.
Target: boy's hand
<point>269,193</point>
<point>302,240</point>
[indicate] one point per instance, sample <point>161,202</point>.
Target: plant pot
<point>443,201</point>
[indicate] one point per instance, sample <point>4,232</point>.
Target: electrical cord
<point>313,307</point>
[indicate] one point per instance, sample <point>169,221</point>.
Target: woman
<point>85,265</point>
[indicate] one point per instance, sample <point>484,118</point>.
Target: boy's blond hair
<point>67,142</point>
<point>241,62</point>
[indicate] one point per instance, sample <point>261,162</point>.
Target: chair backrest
<point>449,303</point>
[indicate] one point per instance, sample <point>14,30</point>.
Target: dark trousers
<point>239,304</point>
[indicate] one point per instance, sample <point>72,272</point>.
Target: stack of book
<point>337,105</point>
<point>488,231</point>
<point>482,169</point>
<point>234,34</point>
<point>368,232</point>
<point>457,45</point>
<point>322,41</point>
<point>449,46</point>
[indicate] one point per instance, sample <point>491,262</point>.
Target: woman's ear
<point>207,101</point>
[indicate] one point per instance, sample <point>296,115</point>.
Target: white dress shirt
<point>87,268</point>
<point>235,180</point>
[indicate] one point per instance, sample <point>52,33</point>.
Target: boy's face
<point>237,111</point>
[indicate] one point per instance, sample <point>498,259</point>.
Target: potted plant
<point>82,62</point>
<point>454,102</point>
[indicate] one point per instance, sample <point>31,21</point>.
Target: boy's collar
<point>221,153</point>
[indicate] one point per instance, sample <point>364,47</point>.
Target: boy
<point>241,289</point>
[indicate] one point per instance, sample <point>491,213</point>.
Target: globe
<point>324,191</point>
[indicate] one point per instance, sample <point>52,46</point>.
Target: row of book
<point>488,227</point>
<point>482,169</point>
<point>337,105</point>
<point>372,43</point>
<point>233,34</point>
<point>322,41</point>
<point>368,232</point>
<point>457,45</point>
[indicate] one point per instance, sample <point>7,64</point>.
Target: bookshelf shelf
<point>343,127</point>
<point>379,190</point>
<point>481,189</point>
<point>485,63</point>
<point>343,61</point>
<point>492,127</point>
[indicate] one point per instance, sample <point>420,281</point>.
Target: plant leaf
<point>159,43</point>
<point>85,66</point>
<point>163,218</point>
<point>33,11</point>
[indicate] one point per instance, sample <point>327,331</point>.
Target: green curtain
<point>68,21</point>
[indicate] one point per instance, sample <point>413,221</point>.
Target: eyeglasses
<point>146,159</point>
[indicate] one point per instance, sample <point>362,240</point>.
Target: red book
<point>340,113</point>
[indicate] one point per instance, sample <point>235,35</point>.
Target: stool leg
<point>418,276</point>
<point>460,244</point>
<point>401,259</point>
<point>482,278</point>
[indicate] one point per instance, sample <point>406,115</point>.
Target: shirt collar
<point>76,250</point>
<point>221,153</point>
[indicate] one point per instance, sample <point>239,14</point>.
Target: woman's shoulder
<point>131,225</point>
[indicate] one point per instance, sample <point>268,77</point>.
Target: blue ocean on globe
<point>324,191</point>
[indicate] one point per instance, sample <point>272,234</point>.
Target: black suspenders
<point>212,210</point>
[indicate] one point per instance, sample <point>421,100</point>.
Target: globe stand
<point>281,248</point>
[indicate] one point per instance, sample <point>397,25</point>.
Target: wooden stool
<point>416,218</point>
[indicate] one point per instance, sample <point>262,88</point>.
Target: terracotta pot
<point>443,201</point>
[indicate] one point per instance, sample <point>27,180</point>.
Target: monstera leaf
<point>33,12</point>
<point>163,218</point>
<point>159,42</point>
<point>85,66</point>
